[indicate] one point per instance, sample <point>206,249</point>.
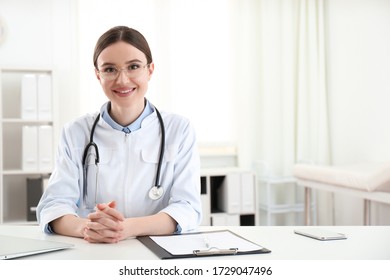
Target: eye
<point>133,67</point>
<point>110,70</point>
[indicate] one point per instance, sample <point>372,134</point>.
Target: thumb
<point>112,204</point>
<point>102,206</point>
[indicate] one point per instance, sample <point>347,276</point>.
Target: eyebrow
<point>127,62</point>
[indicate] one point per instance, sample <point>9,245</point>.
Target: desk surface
<point>363,243</point>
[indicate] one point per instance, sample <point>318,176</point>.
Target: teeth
<point>125,91</point>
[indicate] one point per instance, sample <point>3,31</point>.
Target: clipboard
<point>201,244</point>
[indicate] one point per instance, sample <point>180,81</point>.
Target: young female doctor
<point>127,170</point>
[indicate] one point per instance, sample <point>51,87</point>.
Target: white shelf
<point>281,200</point>
<point>24,121</point>
<point>282,208</point>
<point>13,179</point>
<point>25,172</point>
<point>271,204</point>
<point>228,197</point>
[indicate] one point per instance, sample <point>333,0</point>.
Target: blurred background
<point>261,80</point>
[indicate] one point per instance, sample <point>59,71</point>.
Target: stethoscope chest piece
<point>156,192</point>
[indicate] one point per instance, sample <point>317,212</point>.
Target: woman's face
<point>124,74</point>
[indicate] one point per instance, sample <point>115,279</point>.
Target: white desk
<point>363,243</point>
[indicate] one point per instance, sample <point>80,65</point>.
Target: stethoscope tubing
<point>162,149</point>
<point>93,145</point>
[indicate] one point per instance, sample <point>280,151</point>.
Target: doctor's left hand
<point>105,225</point>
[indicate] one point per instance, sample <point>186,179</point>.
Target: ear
<point>97,74</point>
<point>151,70</point>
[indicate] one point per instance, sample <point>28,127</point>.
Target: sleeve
<point>62,194</point>
<point>185,202</point>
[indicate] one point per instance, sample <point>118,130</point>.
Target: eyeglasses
<point>111,73</point>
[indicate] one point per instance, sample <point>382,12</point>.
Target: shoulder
<point>176,122</point>
<point>78,130</point>
<point>80,123</point>
<point>174,119</point>
<point>178,126</point>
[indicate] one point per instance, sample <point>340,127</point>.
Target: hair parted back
<point>125,34</point>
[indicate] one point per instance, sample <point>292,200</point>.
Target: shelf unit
<point>280,198</point>
<point>13,177</point>
<point>228,197</point>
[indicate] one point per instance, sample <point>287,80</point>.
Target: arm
<point>184,201</point>
<point>63,192</point>
<point>69,225</point>
<point>157,224</point>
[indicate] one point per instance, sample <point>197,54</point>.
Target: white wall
<point>40,34</point>
<point>358,69</point>
<point>27,42</point>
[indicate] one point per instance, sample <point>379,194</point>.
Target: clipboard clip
<point>215,251</point>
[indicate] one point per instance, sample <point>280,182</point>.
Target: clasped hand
<point>105,225</point>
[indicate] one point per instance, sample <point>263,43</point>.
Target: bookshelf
<point>228,197</point>
<point>25,155</point>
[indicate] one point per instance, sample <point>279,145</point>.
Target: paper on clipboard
<point>185,244</point>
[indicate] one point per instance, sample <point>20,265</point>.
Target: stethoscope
<point>155,192</point>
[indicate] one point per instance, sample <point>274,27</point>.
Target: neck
<point>126,115</point>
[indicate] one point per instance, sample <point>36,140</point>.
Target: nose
<point>122,76</point>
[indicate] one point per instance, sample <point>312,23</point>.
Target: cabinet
<point>228,197</point>
<point>27,129</point>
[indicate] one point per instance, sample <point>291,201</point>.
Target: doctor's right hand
<point>105,225</point>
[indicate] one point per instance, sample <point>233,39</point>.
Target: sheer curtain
<point>294,105</point>
<point>294,102</point>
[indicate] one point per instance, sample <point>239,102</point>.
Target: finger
<point>110,211</point>
<point>99,215</point>
<point>101,206</point>
<point>104,223</point>
<point>105,240</point>
<point>104,236</point>
<point>101,240</point>
<point>103,233</point>
<point>96,226</point>
<point>112,204</point>
<point>106,219</point>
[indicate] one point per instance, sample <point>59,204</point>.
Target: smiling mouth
<point>124,92</point>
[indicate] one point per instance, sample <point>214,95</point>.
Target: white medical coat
<point>127,171</point>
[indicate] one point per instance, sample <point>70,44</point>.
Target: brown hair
<point>125,34</point>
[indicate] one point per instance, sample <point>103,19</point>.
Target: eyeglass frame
<point>102,74</point>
